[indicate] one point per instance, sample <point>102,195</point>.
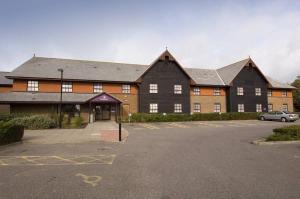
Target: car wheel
<point>283,119</point>
<point>262,118</point>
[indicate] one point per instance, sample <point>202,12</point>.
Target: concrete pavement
<point>182,161</point>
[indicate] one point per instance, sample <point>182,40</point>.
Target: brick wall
<point>5,89</point>
<point>277,100</point>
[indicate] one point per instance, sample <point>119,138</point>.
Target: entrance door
<point>102,112</point>
<point>105,112</point>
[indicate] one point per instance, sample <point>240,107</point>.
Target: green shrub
<point>35,122</point>
<point>145,117</point>
<point>76,122</point>
<point>8,117</point>
<point>285,133</point>
<point>10,132</point>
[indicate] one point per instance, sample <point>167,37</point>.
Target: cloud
<point>203,36</point>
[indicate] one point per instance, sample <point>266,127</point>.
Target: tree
<point>296,93</point>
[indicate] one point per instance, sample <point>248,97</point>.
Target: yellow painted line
<point>177,125</point>
<point>148,126</point>
<point>208,124</point>
<point>91,180</point>
<point>56,160</point>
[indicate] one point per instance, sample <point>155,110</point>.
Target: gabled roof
<point>4,80</point>
<point>229,72</point>
<point>41,67</point>
<point>205,76</point>
<point>163,56</point>
<point>82,70</point>
<point>277,84</point>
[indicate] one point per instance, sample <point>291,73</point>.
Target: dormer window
<point>32,86</point>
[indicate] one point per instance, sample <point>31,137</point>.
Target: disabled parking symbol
<point>91,180</point>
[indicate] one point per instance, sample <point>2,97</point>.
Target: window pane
<point>197,108</point>
<point>32,86</point>
<point>217,91</point>
<point>177,89</point>
<point>153,108</point>
<point>125,88</point>
<point>196,91</point>
<point>177,108</point>
<point>98,88</point>
<point>67,87</point>
<point>153,88</point>
<point>217,108</point>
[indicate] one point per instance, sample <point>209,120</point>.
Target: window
<point>284,107</point>
<point>217,91</point>
<point>177,89</point>
<point>270,107</point>
<point>241,108</point>
<point>217,108</point>
<point>67,87</point>
<point>196,91</point>
<point>98,88</point>
<point>125,88</point>
<point>269,93</point>
<point>240,91</point>
<point>258,91</point>
<point>284,93</point>
<point>153,88</point>
<point>177,108</point>
<point>153,108</point>
<point>197,108</point>
<point>32,86</point>
<point>258,108</point>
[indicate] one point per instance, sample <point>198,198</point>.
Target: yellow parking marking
<point>56,160</point>
<point>208,124</point>
<point>91,180</point>
<point>148,126</point>
<point>177,125</point>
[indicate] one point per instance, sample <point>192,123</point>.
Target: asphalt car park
<point>158,160</point>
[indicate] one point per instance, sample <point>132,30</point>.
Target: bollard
<point>120,132</point>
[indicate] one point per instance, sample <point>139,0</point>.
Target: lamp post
<point>60,102</point>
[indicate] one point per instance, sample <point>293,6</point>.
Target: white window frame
<point>241,108</point>
<point>270,93</point>
<point>240,91</point>
<point>177,108</point>
<point>270,109</point>
<point>197,108</point>
<point>284,93</point>
<point>98,88</point>
<point>196,90</point>
<point>126,88</point>
<point>217,91</point>
<point>258,108</point>
<point>153,88</point>
<point>67,87</point>
<point>217,107</point>
<point>177,89</point>
<point>285,107</point>
<point>153,108</point>
<point>257,91</point>
<point>32,85</point>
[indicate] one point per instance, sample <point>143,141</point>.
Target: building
<point>5,87</point>
<point>102,90</point>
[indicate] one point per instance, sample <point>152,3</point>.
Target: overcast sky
<point>207,34</point>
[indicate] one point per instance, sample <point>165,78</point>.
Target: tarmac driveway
<point>179,160</point>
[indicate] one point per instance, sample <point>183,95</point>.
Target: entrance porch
<point>104,107</point>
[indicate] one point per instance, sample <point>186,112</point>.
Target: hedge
<point>10,116</point>
<point>35,122</point>
<point>144,117</point>
<point>10,132</point>
<point>285,133</point>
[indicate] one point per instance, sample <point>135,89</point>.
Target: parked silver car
<point>282,116</point>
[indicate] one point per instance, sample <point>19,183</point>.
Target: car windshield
<point>286,112</point>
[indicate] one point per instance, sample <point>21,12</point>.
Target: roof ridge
<point>235,63</point>
<point>69,59</point>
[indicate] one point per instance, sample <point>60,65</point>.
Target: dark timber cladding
<point>248,78</point>
<point>165,72</point>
